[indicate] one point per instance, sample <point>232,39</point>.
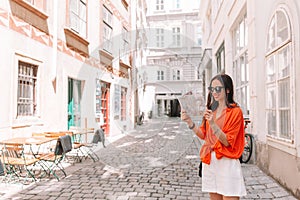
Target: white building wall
<point>22,41</point>
<point>169,57</point>
<point>219,21</point>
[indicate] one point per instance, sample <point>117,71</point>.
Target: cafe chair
<point>53,160</point>
<point>18,164</point>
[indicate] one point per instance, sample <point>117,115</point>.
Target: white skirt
<point>223,176</point>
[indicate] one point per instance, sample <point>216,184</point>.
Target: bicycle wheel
<point>247,149</point>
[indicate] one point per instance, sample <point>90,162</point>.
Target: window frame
<point>159,5</point>
<point>175,75</point>
<point>241,66</point>
<point>40,5</point>
<point>274,81</point>
<point>79,21</point>
<point>107,43</point>
<point>160,75</point>
<point>23,121</point>
<point>160,38</point>
<point>220,58</point>
<point>123,103</point>
<point>176,36</point>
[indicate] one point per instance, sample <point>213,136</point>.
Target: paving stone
<point>158,161</point>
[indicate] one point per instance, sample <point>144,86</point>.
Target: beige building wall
<point>276,156</point>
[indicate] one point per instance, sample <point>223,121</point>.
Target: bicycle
<point>247,153</point>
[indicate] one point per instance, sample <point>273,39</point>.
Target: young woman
<point>222,129</point>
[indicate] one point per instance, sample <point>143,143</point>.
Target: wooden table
<point>27,141</point>
<point>14,155</point>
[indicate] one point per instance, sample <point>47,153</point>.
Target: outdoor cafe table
<point>27,141</point>
<point>30,141</point>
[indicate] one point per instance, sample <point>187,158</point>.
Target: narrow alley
<point>159,160</point>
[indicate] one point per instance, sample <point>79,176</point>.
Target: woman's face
<point>217,90</point>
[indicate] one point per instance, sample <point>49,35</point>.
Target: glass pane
<point>271,98</point>
<point>271,69</point>
<point>243,70</point>
<point>73,6</point>
<point>271,120</point>
<point>237,40</point>
<point>238,95</point>
<point>271,35</point>
<point>248,100</point>
<point>285,127</point>
<point>242,34</point>
<point>243,99</point>
<point>284,62</point>
<point>246,67</point>
<point>246,33</point>
<point>82,12</point>
<point>74,22</point>
<point>82,28</point>
<point>284,93</point>
<point>282,27</point>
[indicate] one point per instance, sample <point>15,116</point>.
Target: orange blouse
<point>231,122</point>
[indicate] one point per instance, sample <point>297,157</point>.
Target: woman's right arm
<point>196,129</point>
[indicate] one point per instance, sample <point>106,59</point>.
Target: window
<point>40,4</point>
<point>123,103</point>
<point>78,20</point>
<point>27,89</point>
<point>241,36</point>
<point>176,4</point>
<point>107,30</point>
<point>160,37</point>
<point>198,36</point>
<point>220,56</point>
<point>176,74</point>
<point>176,37</point>
<point>159,5</point>
<point>278,77</point>
<point>98,97</point>
<point>125,46</point>
<point>160,75</point>
<point>240,66</point>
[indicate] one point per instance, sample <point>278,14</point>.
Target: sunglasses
<point>217,89</point>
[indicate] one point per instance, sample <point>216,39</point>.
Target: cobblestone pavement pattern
<point>159,160</point>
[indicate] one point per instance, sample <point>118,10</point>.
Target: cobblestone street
<point>159,160</point>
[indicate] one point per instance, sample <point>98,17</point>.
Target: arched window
<point>278,77</point>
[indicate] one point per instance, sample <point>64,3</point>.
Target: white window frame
<point>279,112</point>
<point>220,58</point>
<point>241,66</point>
<point>176,74</point>
<point>177,4</point>
<point>159,5</point>
<point>41,5</point>
<point>107,30</point>
<point>176,37</point>
<point>78,17</point>
<point>160,38</point>
<point>125,45</point>
<point>123,103</point>
<point>160,75</point>
<point>19,120</point>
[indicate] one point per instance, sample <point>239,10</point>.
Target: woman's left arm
<point>219,133</point>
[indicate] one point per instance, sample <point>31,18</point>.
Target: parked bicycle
<point>247,153</point>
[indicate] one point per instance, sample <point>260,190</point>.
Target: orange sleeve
<point>234,130</point>
<point>202,129</point>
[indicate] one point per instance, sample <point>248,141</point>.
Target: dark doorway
<point>175,108</point>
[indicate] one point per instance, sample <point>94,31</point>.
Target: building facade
<point>257,43</point>
<point>65,63</point>
<point>173,56</point>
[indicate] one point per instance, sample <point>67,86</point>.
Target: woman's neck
<point>222,105</point>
